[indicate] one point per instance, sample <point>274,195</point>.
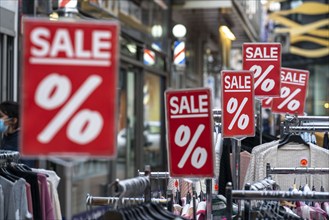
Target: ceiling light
<point>227,32</point>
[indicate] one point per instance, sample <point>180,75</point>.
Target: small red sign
<point>293,92</point>
<point>190,133</point>
<point>267,103</point>
<point>238,117</point>
<point>69,93</point>
<point>264,60</point>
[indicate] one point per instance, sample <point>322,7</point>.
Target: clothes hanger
<point>157,212</point>
<point>113,215</point>
<point>9,176</point>
<point>141,213</point>
<point>292,138</point>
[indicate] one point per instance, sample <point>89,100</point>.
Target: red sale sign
<point>190,133</point>
<point>238,117</point>
<point>264,59</point>
<point>69,88</point>
<point>267,103</point>
<point>293,92</point>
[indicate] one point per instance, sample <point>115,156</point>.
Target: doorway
<point>126,140</point>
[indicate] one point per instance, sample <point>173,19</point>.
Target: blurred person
<point>10,129</point>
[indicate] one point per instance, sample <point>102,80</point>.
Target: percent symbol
<point>232,107</point>
<point>199,155</point>
<point>268,101</point>
<point>266,85</point>
<point>291,103</point>
<point>52,92</point>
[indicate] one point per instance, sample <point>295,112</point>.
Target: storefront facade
<point>143,77</point>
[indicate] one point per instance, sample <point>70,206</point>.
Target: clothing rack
<point>294,124</point>
<point>304,124</point>
<point>236,146</point>
<point>309,128</point>
<point>97,201</point>
<point>8,156</point>
<point>165,175</point>
<point>129,187</point>
<point>268,195</point>
<point>156,175</point>
<point>297,170</point>
<point>263,184</point>
<point>307,118</point>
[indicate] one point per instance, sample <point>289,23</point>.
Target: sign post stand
<point>236,149</point>
<point>190,137</point>
<point>209,198</point>
<point>260,122</point>
<point>237,112</point>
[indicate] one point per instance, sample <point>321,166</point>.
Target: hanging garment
<point>53,180</point>
<point>9,209</point>
<point>248,144</point>
<point>291,155</point>
<point>32,179</point>
<point>46,204</point>
<point>140,212</point>
<point>225,174</point>
<point>15,200</point>
<point>245,158</point>
<point>252,171</point>
<point>29,198</point>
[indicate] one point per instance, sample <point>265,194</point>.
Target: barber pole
<point>149,57</point>
<point>179,53</point>
<point>67,3</point>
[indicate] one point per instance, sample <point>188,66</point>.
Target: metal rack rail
<point>297,170</point>
<point>248,195</point>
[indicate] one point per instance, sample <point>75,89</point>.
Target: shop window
<point>128,48</point>
<point>153,58</point>
<point>6,67</point>
<point>152,119</point>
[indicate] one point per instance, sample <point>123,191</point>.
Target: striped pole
<point>179,53</point>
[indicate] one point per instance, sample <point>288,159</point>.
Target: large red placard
<point>69,94</point>
<point>190,133</point>
<point>238,114</point>
<point>293,92</point>
<point>264,59</point>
